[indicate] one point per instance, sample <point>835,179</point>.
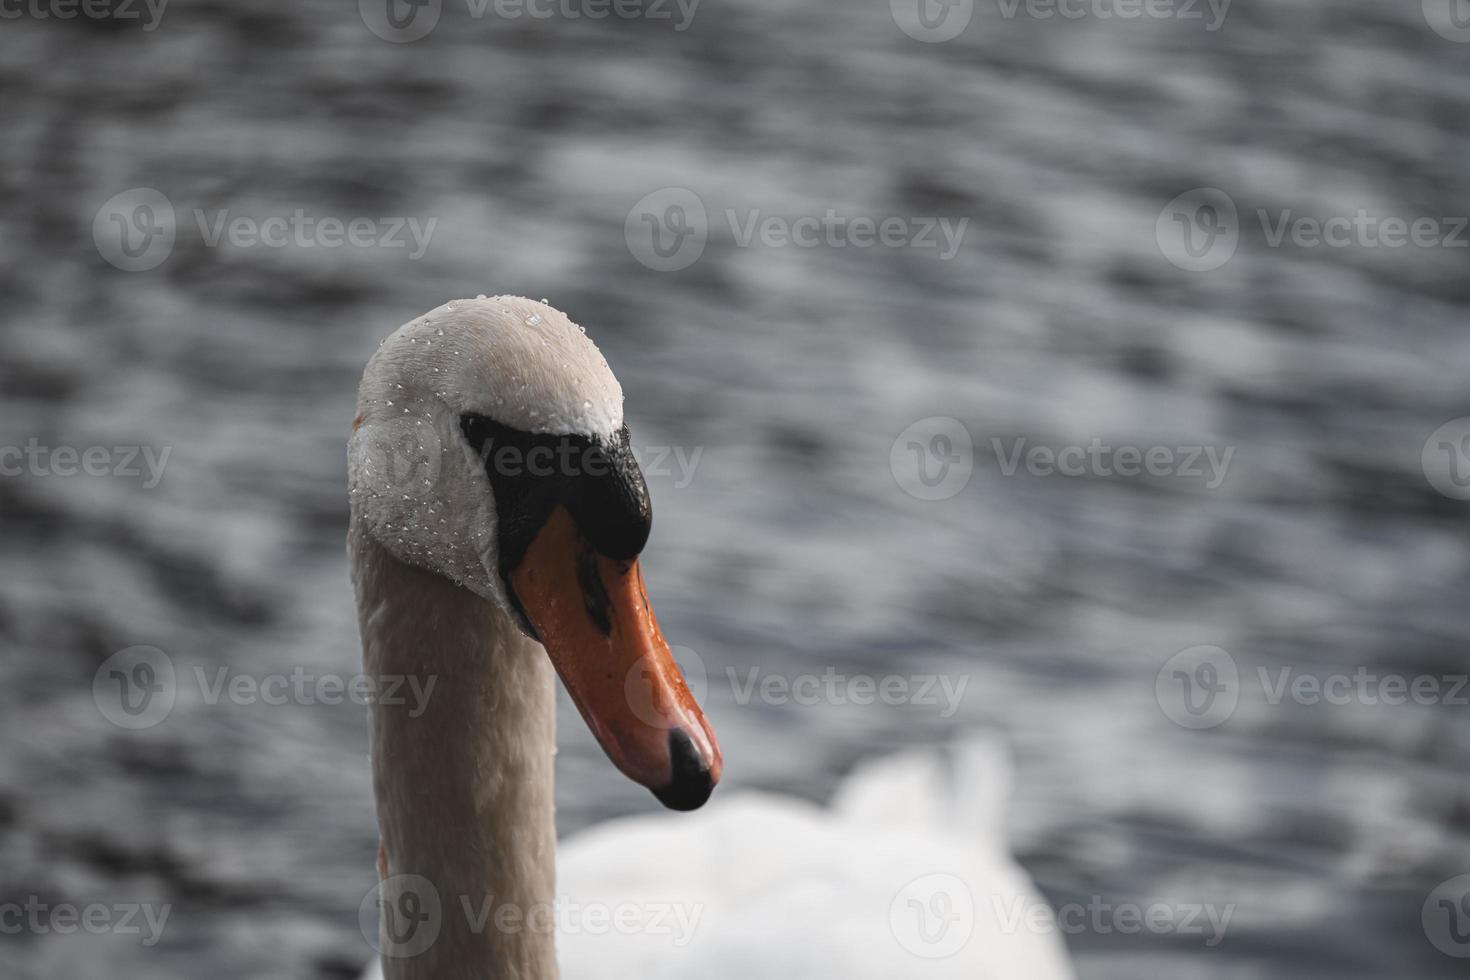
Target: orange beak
<point>593,616</point>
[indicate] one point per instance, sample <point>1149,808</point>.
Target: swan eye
<point>598,481</point>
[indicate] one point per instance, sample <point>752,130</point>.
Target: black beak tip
<point>691,785</point>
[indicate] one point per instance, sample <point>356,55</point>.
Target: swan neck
<point>463,778</point>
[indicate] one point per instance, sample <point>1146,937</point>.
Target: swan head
<point>490,448</point>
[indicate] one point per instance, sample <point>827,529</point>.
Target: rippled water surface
<point>791,548</point>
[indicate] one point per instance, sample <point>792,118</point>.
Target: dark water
<point>792,549</point>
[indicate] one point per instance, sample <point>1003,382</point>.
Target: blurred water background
<point>792,548</point>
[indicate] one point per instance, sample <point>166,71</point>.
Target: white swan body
<point>479,565</point>
<point>906,875</point>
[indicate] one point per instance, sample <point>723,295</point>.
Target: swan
<point>497,519</point>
